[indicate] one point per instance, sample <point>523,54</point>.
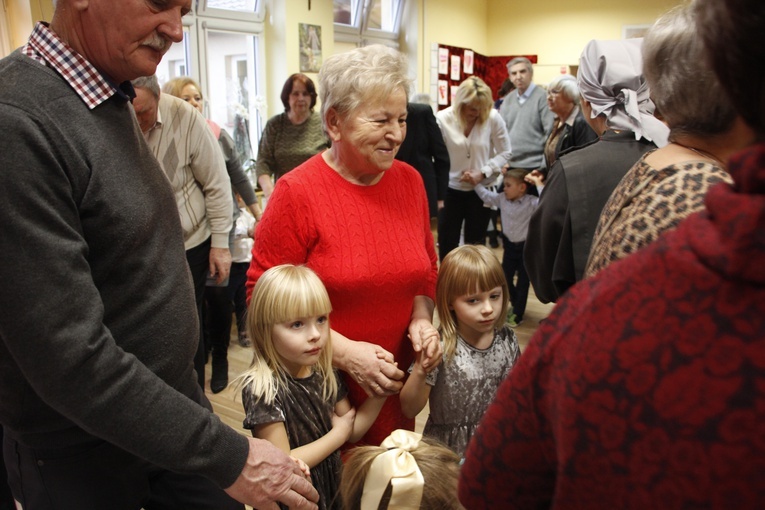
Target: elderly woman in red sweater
<point>360,219</point>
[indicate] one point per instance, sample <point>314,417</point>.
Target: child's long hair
<point>439,465</point>
<point>466,270</point>
<point>282,294</point>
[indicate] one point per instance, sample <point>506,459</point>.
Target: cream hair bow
<point>397,467</point>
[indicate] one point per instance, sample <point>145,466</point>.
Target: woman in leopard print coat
<point>670,183</point>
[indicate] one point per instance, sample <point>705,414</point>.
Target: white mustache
<point>156,42</point>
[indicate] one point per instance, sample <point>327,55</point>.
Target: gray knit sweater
<point>98,327</point>
<point>529,124</point>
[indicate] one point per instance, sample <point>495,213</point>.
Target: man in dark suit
<point>424,149</point>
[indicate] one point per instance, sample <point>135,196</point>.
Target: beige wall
<point>410,43</point>
<point>41,10</point>
<point>283,46</point>
<point>555,30</point>
<point>20,21</point>
<point>451,22</point>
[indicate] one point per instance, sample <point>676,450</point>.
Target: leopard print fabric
<point>647,202</point>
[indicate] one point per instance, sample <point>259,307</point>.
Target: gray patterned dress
<point>463,388</point>
<point>307,417</point>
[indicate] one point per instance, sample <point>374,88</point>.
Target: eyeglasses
<point>553,92</point>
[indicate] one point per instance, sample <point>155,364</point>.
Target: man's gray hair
<point>149,83</point>
<point>521,60</point>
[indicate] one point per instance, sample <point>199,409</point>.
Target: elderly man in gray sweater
<point>99,404</point>
<point>528,119</point>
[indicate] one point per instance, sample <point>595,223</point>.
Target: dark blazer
<point>424,149</point>
<point>575,136</point>
<point>563,225</point>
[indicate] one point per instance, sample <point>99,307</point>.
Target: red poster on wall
<point>492,70</point>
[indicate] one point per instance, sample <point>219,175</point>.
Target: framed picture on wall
<point>443,92</point>
<point>310,48</point>
<point>456,67</point>
<point>443,60</point>
<point>467,61</point>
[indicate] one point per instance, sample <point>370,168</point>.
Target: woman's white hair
<point>566,84</point>
<point>347,80</point>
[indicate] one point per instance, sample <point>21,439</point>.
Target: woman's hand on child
<point>374,369</point>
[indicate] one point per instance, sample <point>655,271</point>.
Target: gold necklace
<point>467,141</point>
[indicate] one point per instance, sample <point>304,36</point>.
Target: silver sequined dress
<point>465,386</point>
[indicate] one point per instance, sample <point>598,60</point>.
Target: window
<point>224,55</point>
<point>383,15</point>
<point>232,86</point>
<point>345,12</point>
<point>365,21</point>
<point>248,10</point>
<point>177,61</point>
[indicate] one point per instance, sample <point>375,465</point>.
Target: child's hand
<point>422,368</point>
<point>344,423</point>
<point>431,346</point>
<point>472,176</point>
<point>303,467</point>
<point>428,333</point>
<point>535,177</point>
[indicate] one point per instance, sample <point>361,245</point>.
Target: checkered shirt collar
<point>46,47</point>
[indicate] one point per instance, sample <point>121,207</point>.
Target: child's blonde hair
<point>282,294</point>
<point>440,468</point>
<point>466,270</point>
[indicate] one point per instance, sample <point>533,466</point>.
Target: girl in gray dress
<point>479,348</point>
<point>292,397</point>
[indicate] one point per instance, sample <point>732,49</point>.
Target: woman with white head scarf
<point>616,104</point>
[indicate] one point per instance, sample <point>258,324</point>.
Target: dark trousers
<point>100,475</point>
<point>221,303</point>
<point>198,259</point>
<point>512,265</point>
<point>6,499</point>
<point>218,317</point>
<point>237,287</point>
<point>459,207</point>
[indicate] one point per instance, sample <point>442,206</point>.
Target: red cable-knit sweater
<point>646,386</point>
<point>371,246</point>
